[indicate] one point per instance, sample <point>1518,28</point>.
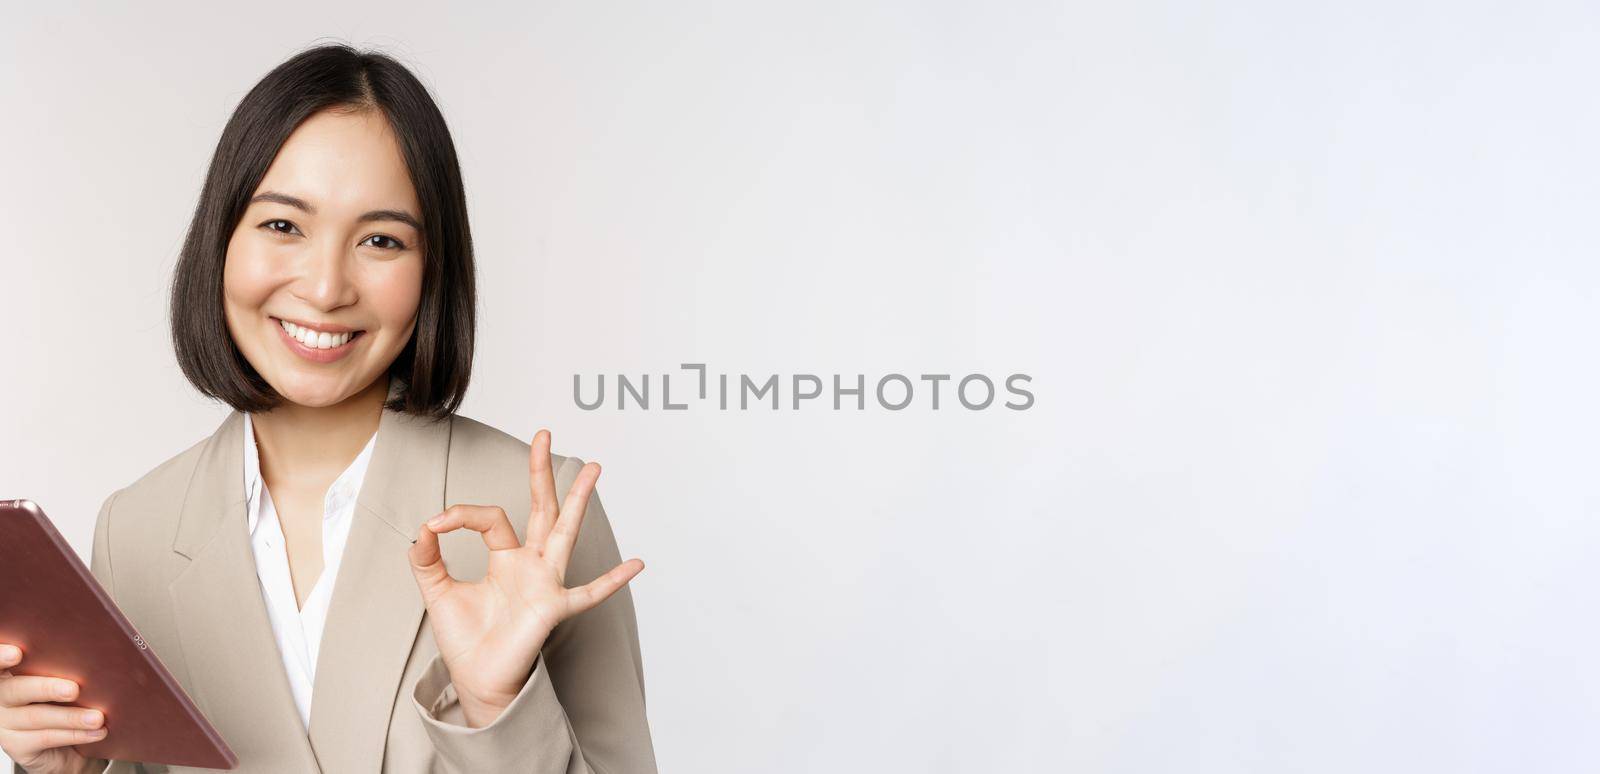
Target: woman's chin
<point>317,394</point>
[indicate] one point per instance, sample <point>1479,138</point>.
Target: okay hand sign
<point>489,633</point>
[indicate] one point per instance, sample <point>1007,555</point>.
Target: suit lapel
<point>236,670</point>
<point>232,656</point>
<point>375,611</point>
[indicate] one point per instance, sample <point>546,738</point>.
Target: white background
<point>1307,292</point>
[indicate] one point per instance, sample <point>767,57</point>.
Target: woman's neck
<point>316,443</point>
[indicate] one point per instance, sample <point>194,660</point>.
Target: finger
<point>427,564</point>
<point>559,545</point>
<point>10,655</point>
<point>18,690</point>
<point>27,744</point>
<point>542,479</point>
<point>42,717</point>
<point>598,590</point>
<point>490,520</point>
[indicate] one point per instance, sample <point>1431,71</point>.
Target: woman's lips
<point>313,354</point>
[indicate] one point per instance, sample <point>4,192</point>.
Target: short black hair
<point>436,364</point>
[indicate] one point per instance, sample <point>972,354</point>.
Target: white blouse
<point>299,630</point>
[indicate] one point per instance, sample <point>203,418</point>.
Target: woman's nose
<point>325,280</point>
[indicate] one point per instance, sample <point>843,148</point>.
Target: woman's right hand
<point>39,735</point>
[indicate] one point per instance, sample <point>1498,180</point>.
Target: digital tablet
<point>52,607</point>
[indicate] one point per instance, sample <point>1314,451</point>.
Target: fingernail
<point>436,521</point>
<point>97,733</point>
<point>64,690</point>
<point>9,653</point>
<point>91,718</point>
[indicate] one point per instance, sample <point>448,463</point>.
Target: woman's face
<point>331,244</point>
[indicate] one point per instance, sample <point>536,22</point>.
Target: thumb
<point>427,564</point>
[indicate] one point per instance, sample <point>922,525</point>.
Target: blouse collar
<point>341,494</point>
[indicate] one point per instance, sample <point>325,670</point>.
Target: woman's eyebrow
<point>304,206</point>
<point>391,215</point>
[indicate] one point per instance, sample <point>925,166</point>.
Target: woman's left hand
<point>489,633</point>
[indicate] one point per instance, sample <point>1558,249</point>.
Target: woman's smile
<point>323,344</point>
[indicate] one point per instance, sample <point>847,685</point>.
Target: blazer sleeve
<point>100,567</point>
<point>582,710</point>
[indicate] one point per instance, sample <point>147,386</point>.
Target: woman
<point>325,292</point>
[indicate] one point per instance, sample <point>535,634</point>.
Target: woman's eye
<point>281,226</point>
<point>384,242</point>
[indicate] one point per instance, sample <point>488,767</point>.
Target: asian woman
<point>309,572</point>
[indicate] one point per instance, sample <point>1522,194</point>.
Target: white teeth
<point>315,339</point>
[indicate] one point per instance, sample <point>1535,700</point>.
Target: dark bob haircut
<point>436,364</point>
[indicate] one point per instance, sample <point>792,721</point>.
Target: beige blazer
<point>173,550</point>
